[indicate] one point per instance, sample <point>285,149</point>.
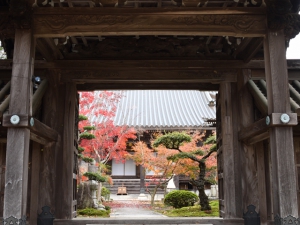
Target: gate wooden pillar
<point>16,175</point>
<point>248,159</point>
<point>65,158</point>
<point>281,137</point>
<point>53,116</point>
<point>231,167</point>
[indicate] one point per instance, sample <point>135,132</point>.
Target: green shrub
<point>93,212</point>
<point>82,117</point>
<point>80,149</point>
<point>179,199</point>
<point>86,135</point>
<point>89,128</point>
<point>94,176</point>
<point>105,192</point>
<point>87,159</point>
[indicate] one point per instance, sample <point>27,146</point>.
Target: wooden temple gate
<point>159,44</point>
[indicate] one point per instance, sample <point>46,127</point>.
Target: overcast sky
<point>293,51</point>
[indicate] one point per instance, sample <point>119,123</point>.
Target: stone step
<point>132,186</point>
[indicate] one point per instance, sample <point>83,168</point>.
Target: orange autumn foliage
<point>155,160</point>
<point>192,166</point>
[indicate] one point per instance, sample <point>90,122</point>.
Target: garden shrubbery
<point>179,199</point>
<point>94,212</point>
<point>105,193</point>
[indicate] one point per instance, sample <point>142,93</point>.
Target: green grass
<point>93,212</point>
<point>191,211</point>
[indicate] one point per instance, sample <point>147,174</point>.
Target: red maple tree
<point>110,140</point>
<point>103,140</point>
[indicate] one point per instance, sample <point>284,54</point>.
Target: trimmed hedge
<point>180,198</point>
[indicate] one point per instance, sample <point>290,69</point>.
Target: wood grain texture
<point>53,116</point>
<point>44,131</point>
<point>148,86</point>
<point>21,73</point>
<point>236,111</point>
<point>96,21</point>
<point>35,182</point>
<point>64,195</point>
<point>229,172</point>
<point>261,182</point>
<point>297,161</point>
<point>40,132</point>
<point>135,75</point>
<point>281,138</point>
<point>247,157</point>
<point>254,129</point>
<point>268,175</point>
<point>145,64</point>
<point>2,176</point>
<point>16,176</point>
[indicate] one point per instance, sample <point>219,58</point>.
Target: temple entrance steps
<point>132,186</point>
<point>145,221</point>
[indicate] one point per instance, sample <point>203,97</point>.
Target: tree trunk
<point>204,203</point>
<point>153,195</point>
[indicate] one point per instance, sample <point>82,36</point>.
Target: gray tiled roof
<point>166,109</point>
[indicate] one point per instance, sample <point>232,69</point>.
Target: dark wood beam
<point>39,132</point>
<point>148,86</point>
<point>244,43</point>
<point>147,76</point>
<point>258,131</point>
<point>258,74</point>
<point>48,49</point>
<point>149,64</point>
<point>62,22</point>
<point>254,46</point>
<point>44,50</point>
<point>43,132</point>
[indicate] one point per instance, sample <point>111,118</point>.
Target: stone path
<point>133,209</point>
<point>135,213</point>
